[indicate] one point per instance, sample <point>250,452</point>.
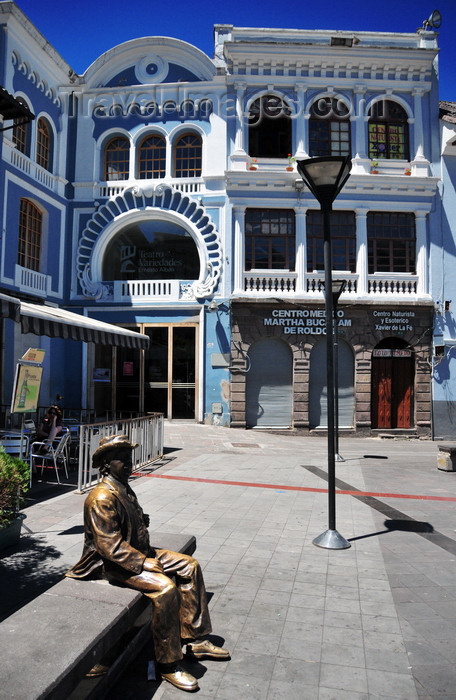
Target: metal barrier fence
<point>146,430</point>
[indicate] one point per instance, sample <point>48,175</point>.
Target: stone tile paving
<point>375,621</point>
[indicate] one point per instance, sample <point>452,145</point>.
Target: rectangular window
<point>391,242</point>
<point>343,237</point>
<point>270,239</point>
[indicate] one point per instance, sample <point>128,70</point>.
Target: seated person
<point>51,425</point>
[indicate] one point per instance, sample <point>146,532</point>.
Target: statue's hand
<point>152,565</point>
<point>146,519</point>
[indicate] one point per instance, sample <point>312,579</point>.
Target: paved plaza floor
<point>376,621</point>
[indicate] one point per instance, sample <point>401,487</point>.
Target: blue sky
<point>83,30</point>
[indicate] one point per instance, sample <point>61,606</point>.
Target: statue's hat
<point>111,442</point>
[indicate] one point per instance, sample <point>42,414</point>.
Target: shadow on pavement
<point>26,571</point>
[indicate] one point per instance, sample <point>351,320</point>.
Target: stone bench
<point>50,644</point>
<point>446,458</point>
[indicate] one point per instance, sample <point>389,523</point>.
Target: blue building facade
<point>158,192</point>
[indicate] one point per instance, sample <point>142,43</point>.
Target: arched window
<point>151,249</point>
<point>43,144</point>
<point>30,233</point>
<point>269,128</point>
<point>21,133</point>
<point>152,158</point>
<point>329,128</point>
<point>188,156</point>
<point>388,131</point>
<point>117,159</point>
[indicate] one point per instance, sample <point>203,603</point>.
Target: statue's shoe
<point>206,650</point>
<point>181,679</point>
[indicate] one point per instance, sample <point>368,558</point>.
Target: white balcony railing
<point>32,169</point>
<point>146,290</point>
<point>315,282</point>
<point>30,281</point>
<point>381,286</point>
<point>189,185</point>
<point>267,282</point>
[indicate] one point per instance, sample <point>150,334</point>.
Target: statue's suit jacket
<point>115,532</point>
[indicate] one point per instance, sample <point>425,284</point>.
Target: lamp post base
<point>331,539</point>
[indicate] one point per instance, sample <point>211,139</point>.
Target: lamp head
<point>434,21</point>
<point>325,176</point>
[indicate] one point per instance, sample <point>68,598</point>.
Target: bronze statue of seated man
<point>117,546</point>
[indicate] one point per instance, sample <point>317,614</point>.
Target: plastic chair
<point>56,454</point>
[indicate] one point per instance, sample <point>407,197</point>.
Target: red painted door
<point>392,390</point>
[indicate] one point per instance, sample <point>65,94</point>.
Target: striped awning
<point>10,307</point>
<point>10,108</point>
<point>60,323</point>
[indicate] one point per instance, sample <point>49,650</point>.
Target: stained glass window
<point>388,131</point>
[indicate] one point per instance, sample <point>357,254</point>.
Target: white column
<point>361,162</point>
<point>301,122</point>
<point>239,141</point>
<point>421,252</point>
<point>239,251</point>
<point>132,175</point>
<point>361,251</point>
<point>418,123</point>
<point>301,249</point>
<point>419,162</point>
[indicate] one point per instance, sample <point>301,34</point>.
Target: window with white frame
<point>391,240</point>
<point>30,235</point>
<point>117,159</point>
<point>44,144</point>
<point>188,155</point>
<point>270,240</point>
<point>329,128</point>
<point>152,157</point>
<point>22,132</point>
<point>270,128</point>
<point>343,237</point>
<point>388,131</point>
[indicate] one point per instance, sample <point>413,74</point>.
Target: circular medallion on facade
<point>151,69</point>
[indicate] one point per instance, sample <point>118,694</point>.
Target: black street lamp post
<point>338,287</point>
<point>325,178</point>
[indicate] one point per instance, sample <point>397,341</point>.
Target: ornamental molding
<point>33,76</point>
<point>150,58</point>
<point>152,200</point>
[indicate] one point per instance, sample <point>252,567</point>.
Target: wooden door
<point>392,389</point>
